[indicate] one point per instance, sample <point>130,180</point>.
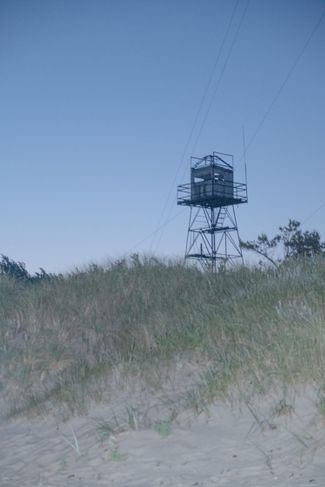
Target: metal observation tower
<point>212,194</point>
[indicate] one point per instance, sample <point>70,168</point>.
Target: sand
<point>272,444</point>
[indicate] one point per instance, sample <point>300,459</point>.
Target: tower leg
<point>213,238</point>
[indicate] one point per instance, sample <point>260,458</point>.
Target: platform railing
<point>217,190</point>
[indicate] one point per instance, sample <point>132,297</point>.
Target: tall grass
<point>60,338</point>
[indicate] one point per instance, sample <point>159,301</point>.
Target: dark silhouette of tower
<point>212,195</point>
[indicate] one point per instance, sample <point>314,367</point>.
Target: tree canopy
<point>294,242</point>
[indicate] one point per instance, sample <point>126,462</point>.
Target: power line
<point>221,75</point>
<point>196,118</point>
<point>277,95</point>
<point>313,213</point>
<point>235,38</point>
<point>283,84</point>
<point>157,229</point>
<point>260,125</point>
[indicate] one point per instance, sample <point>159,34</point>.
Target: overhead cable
<point>235,38</point>
<point>196,119</point>
<point>283,84</point>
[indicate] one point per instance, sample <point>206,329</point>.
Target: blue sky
<point>98,99</point>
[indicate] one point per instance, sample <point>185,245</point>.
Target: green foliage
<point>60,341</point>
<point>17,271</point>
<point>262,246</point>
<point>295,243</point>
<point>117,456</point>
<point>300,244</point>
<point>163,427</point>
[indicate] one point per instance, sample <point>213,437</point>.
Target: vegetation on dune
<point>61,337</point>
<point>18,271</point>
<point>294,242</point>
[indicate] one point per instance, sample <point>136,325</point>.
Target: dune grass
<point>62,339</point>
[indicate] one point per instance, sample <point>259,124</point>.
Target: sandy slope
<point>226,448</point>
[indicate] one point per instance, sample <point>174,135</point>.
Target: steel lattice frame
<point>212,237</point>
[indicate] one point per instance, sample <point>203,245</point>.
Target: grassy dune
<point>63,341</point>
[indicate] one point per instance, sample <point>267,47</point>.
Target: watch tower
<point>212,195</point>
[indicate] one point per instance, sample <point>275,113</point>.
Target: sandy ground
<point>282,445</point>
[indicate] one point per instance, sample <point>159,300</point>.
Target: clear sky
<point>98,100</point>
